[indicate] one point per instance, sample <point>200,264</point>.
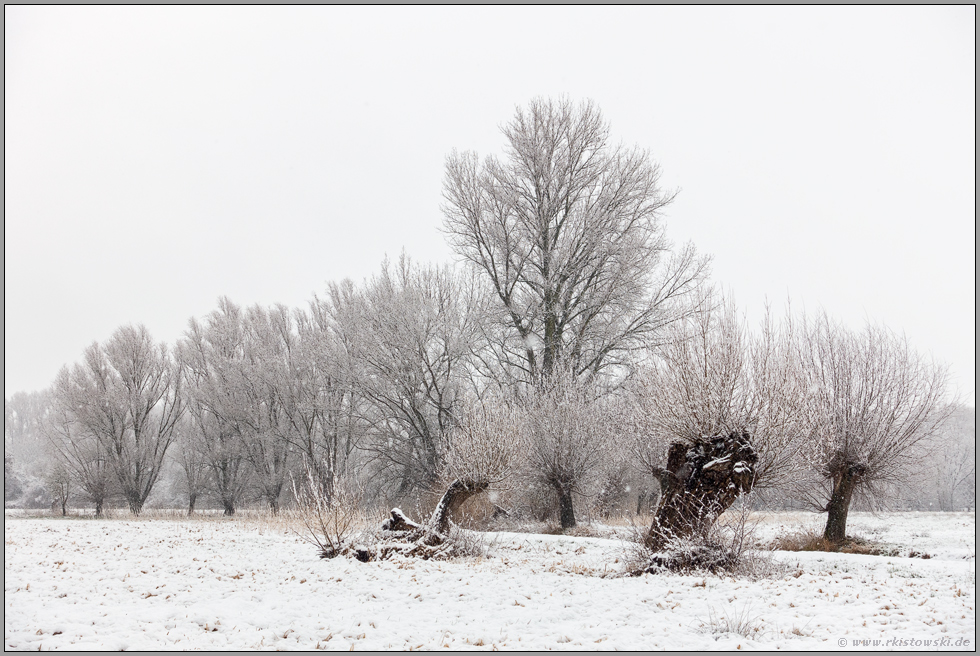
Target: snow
<point>247,584</point>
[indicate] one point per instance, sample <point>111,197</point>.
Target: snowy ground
<point>245,584</point>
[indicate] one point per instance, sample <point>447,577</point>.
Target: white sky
<point>158,158</point>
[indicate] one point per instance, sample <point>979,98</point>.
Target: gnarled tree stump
<point>400,535</point>
<point>700,482</point>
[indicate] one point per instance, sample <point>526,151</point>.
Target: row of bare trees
<point>574,345</point>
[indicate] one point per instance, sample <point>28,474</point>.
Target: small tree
<point>190,457</point>
<point>869,399</point>
<point>568,439</point>
<point>482,451</point>
<point>713,394</point>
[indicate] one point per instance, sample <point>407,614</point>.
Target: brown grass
<point>813,541</point>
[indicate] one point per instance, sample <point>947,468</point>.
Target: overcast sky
<point>158,158</point>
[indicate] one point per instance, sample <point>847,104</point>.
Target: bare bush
<point>330,521</point>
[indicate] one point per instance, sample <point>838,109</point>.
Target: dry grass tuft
<point>811,540</point>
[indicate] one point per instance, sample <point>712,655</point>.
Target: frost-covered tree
<point>210,352</point>
<point>410,333</point>
<point>126,396</point>
<point>188,452</point>
<point>869,400</point>
<point>320,400</point>
<point>566,231</point>
<point>78,451</point>
<point>569,434</point>
<point>712,377</point>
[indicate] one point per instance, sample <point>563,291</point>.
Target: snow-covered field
<point>249,584</point>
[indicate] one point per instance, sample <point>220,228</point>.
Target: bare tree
<point>950,462</point>
<point>25,450</point>
<point>262,424</point>
<point>410,333</point>
<point>77,449</point>
<point>315,393</point>
<point>569,434</point>
<point>712,378</point>
<point>126,395</point>
<point>567,233</point>
<point>712,416</point>
<point>481,452</point>
<point>208,352</point>
<point>192,460</point>
<point>869,399</point>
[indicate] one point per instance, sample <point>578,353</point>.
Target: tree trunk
<point>456,494</point>
<point>135,506</point>
<point>229,506</point>
<point>98,508</point>
<point>274,506</point>
<point>700,482</point>
<point>192,499</point>
<point>845,479</point>
<point>64,508</point>
<point>566,510</point>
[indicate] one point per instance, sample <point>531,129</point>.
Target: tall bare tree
<point>567,232</point>
<point>209,352</point>
<point>869,399</point>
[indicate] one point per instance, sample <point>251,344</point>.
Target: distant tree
<point>58,481</point>
<point>78,450</point>
<point>566,232</point>
<point>24,442</point>
<point>126,395</point>
<point>411,333</point>
<point>949,463</point>
<point>210,353</point>
<point>192,461</point>
<point>569,434</point>
<point>868,400</point>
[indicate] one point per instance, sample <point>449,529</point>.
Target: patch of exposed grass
<point>814,541</point>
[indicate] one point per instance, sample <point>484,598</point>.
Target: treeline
<point>556,365</point>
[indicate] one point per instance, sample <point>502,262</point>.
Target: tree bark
<point>456,494</point>
<point>700,482</point>
<point>192,499</point>
<point>229,508</point>
<point>98,508</point>
<point>845,480</point>
<point>566,509</point>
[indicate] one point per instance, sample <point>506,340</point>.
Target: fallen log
<point>400,535</point>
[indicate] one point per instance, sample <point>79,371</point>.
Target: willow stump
<point>701,480</point>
